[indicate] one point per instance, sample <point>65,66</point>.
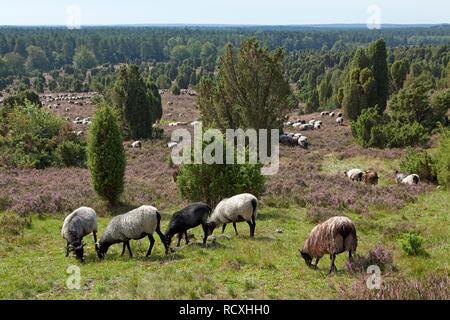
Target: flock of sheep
<point>333,236</point>
<point>294,139</point>
<point>371,177</point>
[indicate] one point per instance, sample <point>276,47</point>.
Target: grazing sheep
<point>303,142</point>
<point>371,177</point>
<point>399,176</point>
<point>339,114</point>
<point>136,145</point>
<point>324,113</point>
<point>286,140</point>
<point>171,144</point>
<point>241,207</point>
<point>355,174</point>
<point>317,126</point>
<point>334,236</point>
<point>332,114</point>
<point>340,120</point>
<point>133,225</point>
<point>312,122</point>
<point>78,224</point>
<point>411,179</point>
<point>190,217</point>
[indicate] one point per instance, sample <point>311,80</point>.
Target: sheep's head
<point>307,257</point>
<point>211,227</point>
<point>78,250</point>
<point>101,252</point>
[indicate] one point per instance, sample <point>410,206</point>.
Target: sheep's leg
<point>129,249</point>
<point>235,230</point>
<point>333,266</point>
<point>317,262</point>
<point>223,227</point>
<point>163,240</point>
<point>205,234</point>
<point>252,228</point>
<point>95,236</point>
<point>123,249</point>
<point>152,242</point>
<point>67,250</point>
<point>186,236</point>
<point>180,235</point>
<point>350,257</point>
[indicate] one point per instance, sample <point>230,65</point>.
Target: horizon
<point>82,13</point>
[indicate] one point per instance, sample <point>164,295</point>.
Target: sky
<point>259,12</point>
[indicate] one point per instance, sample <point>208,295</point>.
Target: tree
<point>15,63</point>
<point>84,58</point>
<point>249,91</point>
<point>37,59</point>
<point>136,105</point>
<point>163,82</point>
<point>106,156</point>
<point>176,90</point>
<point>378,59</point>
<point>399,71</point>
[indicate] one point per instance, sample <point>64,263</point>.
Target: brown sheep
<point>371,177</point>
<point>334,236</point>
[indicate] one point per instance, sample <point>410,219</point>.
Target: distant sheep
<point>339,120</point>
<point>133,225</point>
<point>324,113</point>
<point>77,225</point>
<point>303,142</point>
<point>371,177</point>
<point>411,179</point>
<point>355,174</point>
<point>286,140</point>
<point>190,217</point>
<point>241,207</point>
<point>332,114</point>
<point>136,145</point>
<point>334,236</point>
<point>399,176</point>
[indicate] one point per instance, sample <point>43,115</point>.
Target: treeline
<point>181,54</point>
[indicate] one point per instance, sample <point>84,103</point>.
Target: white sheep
<point>411,179</point>
<point>355,174</point>
<point>332,114</point>
<point>334,236</point>
<point>241,207</point>
<point>340,120</point>
<point>303,142</point>
<point>133,225</point>
<point>77,225</point>
<point>136,145</point>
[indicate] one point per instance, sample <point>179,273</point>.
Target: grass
<point>33,264</point>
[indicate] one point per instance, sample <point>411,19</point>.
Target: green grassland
<point>33,265</point>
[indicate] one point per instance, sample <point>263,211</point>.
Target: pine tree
<point>106,156</point>
<point>378,59</point>
<point>138,108</point>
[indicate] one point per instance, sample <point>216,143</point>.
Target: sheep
<point>371,177</point>
<point>340,120</point>
<point>355,174</point>
<point>286,139</point>
<point>312,122</point>
<point>332,114</point>
<point>324,113</point>
<point>411,179</point>
<point>339,114</point>
<point>190,217</point>
<point>136,145</point>
<point>317,126</point>
<point>241,207</point>
<point>171,144</point>
<point>78,224</point>
<point>399,176</point>
<point>133,225</point>
<point>334,236</point>
<point>303,142</point>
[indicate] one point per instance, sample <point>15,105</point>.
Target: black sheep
<point>190,217</point>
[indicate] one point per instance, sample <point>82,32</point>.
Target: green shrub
<point>13,225</point>
<point>106,156</point>
<point>419,162</point>
<point>442,158</point>
<point>412,244</point>
<point>381,131</point>
<point>211,183</point>
<point>176,90</point>
<point>71,154</point>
